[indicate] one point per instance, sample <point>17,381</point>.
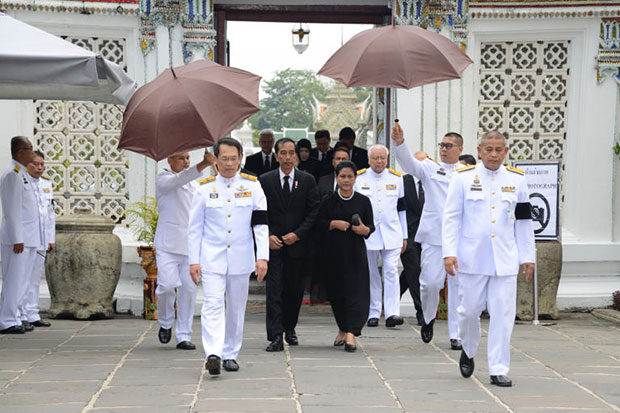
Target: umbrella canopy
<point>35,64</point>
<point>396,56</point>
<point>188,107</point>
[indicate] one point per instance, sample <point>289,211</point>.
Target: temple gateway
<point>545,72</point>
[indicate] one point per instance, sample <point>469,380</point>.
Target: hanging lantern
<point>301,37</point>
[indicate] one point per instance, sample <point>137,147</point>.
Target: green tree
<point>290,95</point>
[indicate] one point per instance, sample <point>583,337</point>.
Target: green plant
<point>616,149</point>
<point>142,218</point>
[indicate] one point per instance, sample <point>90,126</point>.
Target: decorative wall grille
<point>79,140</point>
<point>523,93</point>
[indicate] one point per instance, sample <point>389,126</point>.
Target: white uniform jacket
<point>174,192</point>
<point>435,179</point>
<point>20,208</point>
<point>387,196</point>
<point>48,218</point>
<point>487,221</point>
<point>224,212</point>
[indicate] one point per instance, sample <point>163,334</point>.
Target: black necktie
<point>286,188</point>
<point>420,194</point>
<point>267,163</point>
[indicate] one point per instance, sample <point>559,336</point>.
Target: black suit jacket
<point>254,164</point>
<point>414,209</point>
<point>326,185</point>
<point>359,157</point>
<point>326,159</point>
<point>298,215</point>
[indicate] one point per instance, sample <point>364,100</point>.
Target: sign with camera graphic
<point>543,182</point>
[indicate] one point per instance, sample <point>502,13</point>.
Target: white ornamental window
<point>523,93</point>
<point>79,140</point>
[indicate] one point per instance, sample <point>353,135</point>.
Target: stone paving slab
<point>119,366</point>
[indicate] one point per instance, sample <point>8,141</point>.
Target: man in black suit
<point>327,183</point>
<point>358,155</point>
<point>323,152</point>
<point>292,208</point>
<point>263,161</point>
<point>410,277</point>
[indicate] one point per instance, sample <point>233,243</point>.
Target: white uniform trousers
<point>16,270</point>
<point>29,308</point>
<point>173,274</point>
<point>432,279</point>
<point>500,296</point>
<point>223,313</point>
<point>391,286</point>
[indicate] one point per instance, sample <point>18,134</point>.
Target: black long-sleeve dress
<point>345,261</point>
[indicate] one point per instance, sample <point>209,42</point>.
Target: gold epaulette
<point>361,171</point>
<point>206,180</point>
<point>395,172</point>
<point>515,170</point>
<point>17,168</point>
<point>46,177</point>
<point>465,168</point>
<point>248,176</point>
<point>432,159</point>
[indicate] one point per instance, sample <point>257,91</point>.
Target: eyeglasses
<point>447,145</point>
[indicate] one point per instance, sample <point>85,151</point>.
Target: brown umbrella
<point>396,56</point>
<point>188,107</point>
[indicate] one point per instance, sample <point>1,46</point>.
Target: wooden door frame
<point>378,15</point>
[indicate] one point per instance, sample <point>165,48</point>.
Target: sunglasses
<point>447,145</point>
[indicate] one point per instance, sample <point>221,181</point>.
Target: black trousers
<point>410,277</point>
<point>285,291</point>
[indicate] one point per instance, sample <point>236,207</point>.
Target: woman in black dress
<point>345,219</point>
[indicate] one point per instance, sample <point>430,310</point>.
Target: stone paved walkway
<point>118,366</point>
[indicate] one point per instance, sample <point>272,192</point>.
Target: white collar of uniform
<point>33,179</point>
<point>451,166</point>
<point>219,178</point>
<point>376,175</point>
<point>16,162</point>
<point>489,172</point>
<point>282,175</point>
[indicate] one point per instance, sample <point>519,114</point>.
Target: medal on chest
<point>476,185</point>
<point>441,172</point>
<point>213,194</point>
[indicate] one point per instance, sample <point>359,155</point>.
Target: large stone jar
<point>549,269</point>
<point>83,272</point>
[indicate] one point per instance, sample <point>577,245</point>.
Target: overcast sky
<point>265,48</point>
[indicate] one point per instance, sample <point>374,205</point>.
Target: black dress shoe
<point>466,365</point>
<point>164,335</point>
<point>41,323</point>
<point>339,343</point>
<point>13,330</point>
<point>231,365</point>
<point>351,348</point>
<point>393,321</point>
<point>455,344</point>
<point>213,365</point>
<point>186,345</point>
<point>276,345</point>
<point>27,326</point>
<point>501,381</point>
<point>291,338</point>
<point>426,332</point>
<point>372,322</point>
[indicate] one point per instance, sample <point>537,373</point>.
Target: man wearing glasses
<point>20,234</point>
<point>435,177</point>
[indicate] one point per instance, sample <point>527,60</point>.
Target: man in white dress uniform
<point>488,239</point>
<point>227,210</point>
<point>386,191</point>
<point>174,189</point>
<point>20,234</point>
<point>29,310</point>
<point>435,177</point>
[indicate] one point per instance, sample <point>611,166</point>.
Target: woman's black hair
<point>346,164</point>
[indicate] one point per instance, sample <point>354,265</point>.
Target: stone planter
<point>549,266</point>
<point>83,271</point>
